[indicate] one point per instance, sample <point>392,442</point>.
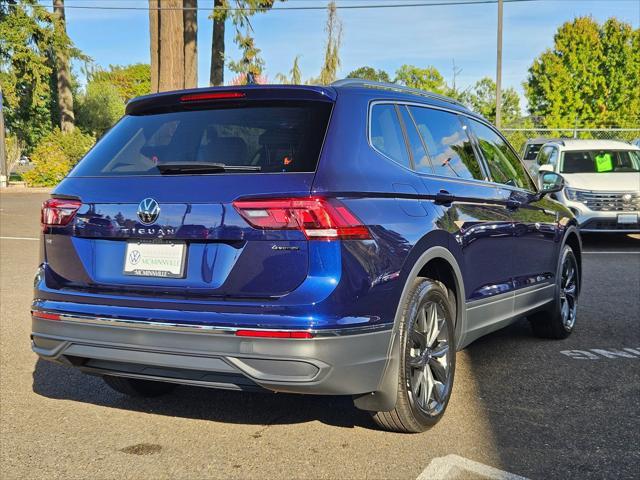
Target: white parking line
<point>20,238</point>
<point>455,466</point>
<point>610,252</point>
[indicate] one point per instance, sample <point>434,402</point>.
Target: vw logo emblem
<point>134,257</point>
<point>148,211</point>
<point>626,197</point>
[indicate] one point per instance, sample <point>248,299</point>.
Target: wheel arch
<point>434,260</point>
<point>573,239</point>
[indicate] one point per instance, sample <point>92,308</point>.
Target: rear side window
<point>386,134</point>
<point>504,165</point>
<point>447,143</point>
<point>421,161</point>
<point>247,137</point>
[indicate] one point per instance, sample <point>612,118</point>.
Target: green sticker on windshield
<point>604,162</point>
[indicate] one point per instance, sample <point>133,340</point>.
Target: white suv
<point>602,179</point>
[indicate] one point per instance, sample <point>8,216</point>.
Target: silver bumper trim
<point>205,329</point>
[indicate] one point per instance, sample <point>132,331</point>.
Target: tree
<point>370,73</point>
<point>13,151</point>
<point>27,68</point>
<point>591,76</point>
<point>99,108</point>
<point>250,64</point>
<point>63,73</point>
<point>332,49</point>
<point>295,73</point>
<point>428,78</point>
<point>129,80</point>
<point>240,12</point>
<point>173,44</point>
<point>219,16</point>
<point>482,99</point>
<point>103,101</point>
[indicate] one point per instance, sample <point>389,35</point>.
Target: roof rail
<point>358,82</point>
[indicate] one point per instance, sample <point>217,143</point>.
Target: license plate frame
<point>627,218</point>
<point>155,260</point>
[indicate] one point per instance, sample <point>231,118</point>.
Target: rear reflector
<point>45,315</point>
<point>58,211</point>
<point>273,334</point>
<point>318,218</point>
<point>199,97</point>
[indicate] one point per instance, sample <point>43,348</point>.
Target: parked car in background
<point>530,153</point>
<point>602,182</point>
<point>338,240</point>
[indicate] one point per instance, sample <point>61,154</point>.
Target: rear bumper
<point>348,361</point>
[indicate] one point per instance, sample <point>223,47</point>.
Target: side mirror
<point>550,182</point>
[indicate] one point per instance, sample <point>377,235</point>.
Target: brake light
<point>45,315</point>
<point>318,218</point>
<point>273,334</point>
<point>198,97</point>
<point>58,212</point>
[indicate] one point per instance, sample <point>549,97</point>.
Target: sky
<point>382,38</point>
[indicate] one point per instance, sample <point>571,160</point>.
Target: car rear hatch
<point>150,209</point>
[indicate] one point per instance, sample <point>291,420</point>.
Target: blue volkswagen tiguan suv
<point>339,240</point>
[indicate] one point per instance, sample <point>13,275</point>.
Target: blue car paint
<point>337,284</point>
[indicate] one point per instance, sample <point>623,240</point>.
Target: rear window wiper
<point>185,168</point>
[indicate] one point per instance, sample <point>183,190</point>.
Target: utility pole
<point>499,69</point>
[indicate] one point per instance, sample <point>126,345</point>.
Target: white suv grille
<point>610,201</point>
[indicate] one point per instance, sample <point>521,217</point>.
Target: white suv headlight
<point>571,194</point>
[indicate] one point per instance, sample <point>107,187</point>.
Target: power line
<point>294,7</point>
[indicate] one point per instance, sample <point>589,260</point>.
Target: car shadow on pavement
<point>252,408</point>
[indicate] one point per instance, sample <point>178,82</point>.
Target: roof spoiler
<point>183,99</point>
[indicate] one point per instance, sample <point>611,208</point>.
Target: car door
<point>535,224</point>
<point>471,210</point>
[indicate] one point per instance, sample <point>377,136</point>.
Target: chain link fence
<point>518,136</point>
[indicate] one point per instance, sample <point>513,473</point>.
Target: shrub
<point>55,155</point>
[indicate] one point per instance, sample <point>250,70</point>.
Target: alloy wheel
<point>569,292</point>
<point>429,359</point>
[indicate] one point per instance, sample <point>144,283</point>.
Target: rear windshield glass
<point>254,137</point>
<point>601,161</point>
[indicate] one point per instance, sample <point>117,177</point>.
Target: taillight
<point>58,212</point>
<point>318,218</point>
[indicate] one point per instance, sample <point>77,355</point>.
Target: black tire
<point>408,415</point>
<point>552,323</point>
<point>135,387</point>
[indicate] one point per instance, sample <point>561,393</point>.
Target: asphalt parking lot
<point>538,409</point>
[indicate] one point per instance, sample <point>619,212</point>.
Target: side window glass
<point>543,156</point>
<point>504,165</point>
<point>421,160</point>
<point>553,157</point>
<point>447,143</point>
<point>386,134</point>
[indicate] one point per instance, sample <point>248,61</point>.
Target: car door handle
<point>443,197</point>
